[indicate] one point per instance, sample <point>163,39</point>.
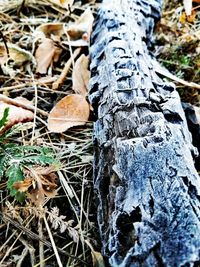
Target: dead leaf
<point>43,184</point>
<point>23,186</point>
<point>73,233</point>
<point>97,259</point>
<point>187,6</point>
<point>63,3</point>
<point>72,110</point>
<point>16,58</point>
<point>81,75</point>
<point>196,1</point>
<point>82,29</point>
<point>46,54</point>
<point>16,114</point>
<point>191,18</point>
<point>51,29</point>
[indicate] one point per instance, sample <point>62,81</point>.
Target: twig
<point>52,242</point>
<point>4,41</point>
<point>64,72</point>
<point>22,257</point>
<point>34,236</point>
<point>164,72</point>
<point>41,244</point>
<point>10,249</point>
<point>23,85</point>
<point>71,193</point>
<point>18,103</point>
<point>28,248</point>
<point>35,109</point>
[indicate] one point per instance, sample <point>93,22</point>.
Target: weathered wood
<point>147,185</point>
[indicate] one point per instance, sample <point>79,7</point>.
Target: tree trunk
<point>147,185</point>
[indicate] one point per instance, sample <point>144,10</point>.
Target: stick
<point>53,243</point>
<point>164,72</point>
<point>18,103</point>
<point>65,71</point>
<point>19,86</point>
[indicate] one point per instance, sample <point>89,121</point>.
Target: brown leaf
<point>45,54</point>
<point>81,30</point>
<point>37,197</point>
<point>81,75</point>
<point>72,110</point>
<point>97,259</point>
<point>44,182</point>
<point>18,56</point>
<point>23,186</point>
<point>16,114</point>
<point>63,3</point>
<point>40,170</point>
<point>51,29</point>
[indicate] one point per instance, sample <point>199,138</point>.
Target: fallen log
<point>147,186</point>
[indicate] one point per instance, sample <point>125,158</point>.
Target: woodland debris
<point>65,70</point>
<point>81,75</point>
<point>72,110</point>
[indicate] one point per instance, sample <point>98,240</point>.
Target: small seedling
<point>15,158</point>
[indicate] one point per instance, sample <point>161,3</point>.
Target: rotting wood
<point>147,186</point>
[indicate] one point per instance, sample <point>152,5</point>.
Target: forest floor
<point>48,208</point>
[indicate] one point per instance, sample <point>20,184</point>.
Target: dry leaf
<point>72,110</point>
<point>16,58</point>
<point>192,17</point>
<point>46,54</point>
<point>97,259</point>
<point>51,29</point>
<point>188,7</point>
<point>23,186</point>
<point>183,18</point>
<point>73,233</point>
<point>81,75</point>
<point>16,114</point>
<point>63,3</point>
<point>81,30</point>
<point>43,182</point>
<point>196,1</point>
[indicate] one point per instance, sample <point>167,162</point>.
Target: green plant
<point>15,158</point>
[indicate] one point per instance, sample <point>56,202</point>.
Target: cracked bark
<point>147,185</point>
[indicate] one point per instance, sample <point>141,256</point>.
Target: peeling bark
<point>148,188</point>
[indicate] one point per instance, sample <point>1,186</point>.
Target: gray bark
<point>147,186</point>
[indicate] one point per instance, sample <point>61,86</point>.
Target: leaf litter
<point>38,60</point>
<point>44,79</point>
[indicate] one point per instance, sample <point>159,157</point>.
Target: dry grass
<point>63,231</point>
<point>178,47</point>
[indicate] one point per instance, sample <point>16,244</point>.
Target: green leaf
<point>4,118</point>
<point>38,160</point>
<point>3,165</point>
<point>19,196</point>
<point>17,129</point>
<point>15,174</point>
